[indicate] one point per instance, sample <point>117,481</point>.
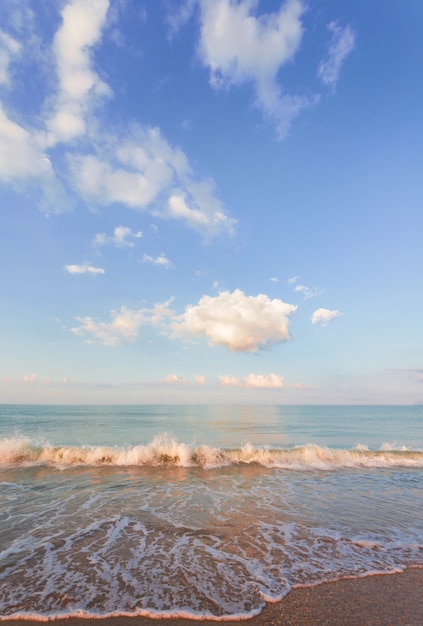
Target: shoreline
<point>375,600</point>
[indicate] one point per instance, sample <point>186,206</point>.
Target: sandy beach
<point>381,600</point>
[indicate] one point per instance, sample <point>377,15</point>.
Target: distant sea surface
<point>201,511</point>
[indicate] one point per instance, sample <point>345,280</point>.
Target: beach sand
<point>381,600</point>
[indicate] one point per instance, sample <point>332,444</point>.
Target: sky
<point>211,201</point>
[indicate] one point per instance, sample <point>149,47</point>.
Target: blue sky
<point>211,201</point>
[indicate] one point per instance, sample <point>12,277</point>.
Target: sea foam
<point>167,451</point>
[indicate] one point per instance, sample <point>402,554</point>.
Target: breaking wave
<point>166,451</point>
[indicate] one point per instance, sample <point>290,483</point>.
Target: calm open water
<point>201,511</point>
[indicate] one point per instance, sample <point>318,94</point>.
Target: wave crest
<point>166,451</point>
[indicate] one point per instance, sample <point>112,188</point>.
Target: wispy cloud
<point>85,268</point>
<point>137,170</point>
<point>240,47</point>
<point>342,44</point>
<point>292,280</point>
<point>124,326</point>
<point>324,316</point>
<point>307,292</point>
<point>161,260</point>
<point>9,48</point>
<point>199,208</point>
<point>418,372</point>
<point>178,14</point>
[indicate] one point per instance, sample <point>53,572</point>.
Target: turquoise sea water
<point>201,511</point>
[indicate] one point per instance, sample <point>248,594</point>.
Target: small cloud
<point>308,292</point>
<point>178,15</point>
<point>121,237</point>
<point>84,269</point>
<point>175,379</point>
<point>232,381</point>
<point>186,124</point>
<point>200,380</point>
<point>293,280</point>
<point>274,279</point>
<point>158,260</point>
<point>343,40</point>
<point>324,316</point>
<point>29,378</point>
<point>257,381</point>
<point>200,209</point>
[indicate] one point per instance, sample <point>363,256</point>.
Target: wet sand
<point>388,600</point>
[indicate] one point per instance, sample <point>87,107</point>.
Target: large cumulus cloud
<point>236,321</point>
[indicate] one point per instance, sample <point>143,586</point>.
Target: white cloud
<point>324,316</point>
<point>271,381</point>
<point>9,47</point>
<point>124,326</point>
<point>140,171</point>
<point>200,209</point>
<point>23,160</point>
<point>293,280</point>
<point>308,292</point>
<point>274,279</point>
<point>200,380</point>
<point>82,23</point>
<point>21,155</point>
<point>160,260</point>
<point>85,268</point>
<point>343,40</point>
<point>258,381</point>
<point>241,47</point>
<point>121,237</point>
<point>24,151</point>
<point>178,14</point>
<point>99,182</point>
<point>175,379</point>
<point>238,322</point>
<point>136,167</point>
<point>230,381</point>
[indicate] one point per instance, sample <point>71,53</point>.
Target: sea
<point>202,512</point>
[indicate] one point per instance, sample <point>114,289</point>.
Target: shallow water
<point>101,514</point>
